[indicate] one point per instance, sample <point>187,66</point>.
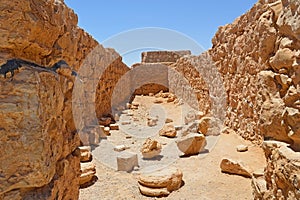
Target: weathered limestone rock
<point>151,148</point>
<point>88,171</point>
<point>234,167</point>
<point>168,120</point>
<point>153,192</point>
<point>161,182</point>
<point>282,174</point>
<point>152,121</point>
<point>120,148</point>
<point>256,56</point>
<point>37,135</point>
<point>114,127</point>
<point>85,154</point>
<point>168,131</point>
<point>126,161</point>
<point>204,125</point>
<point>191,144</point>
<point>37,129</point>
<point>242,148</point>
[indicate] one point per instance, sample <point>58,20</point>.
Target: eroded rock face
<point>37,129</point>
<point>258,57</point>
<point>282,174</point>
<point>37,135</point>
<point>235,167</point>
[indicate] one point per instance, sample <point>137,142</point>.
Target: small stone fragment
<point>242,148</point>
<point>234,167</point>
<point>120,148</point>
<point>168,131</point>
<point>107,131</point>
<point>152,121</point>
<point>151,148</point>
<point>125,122</point>
<point>85,153</point>
<point>153,192</point>
<point>168,120</point>
<point>114,127</point>
<point>158,101</point>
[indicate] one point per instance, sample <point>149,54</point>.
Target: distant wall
<point>163,56</point>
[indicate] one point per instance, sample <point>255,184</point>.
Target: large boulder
<point>191,144</point>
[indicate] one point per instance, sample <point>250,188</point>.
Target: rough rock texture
<point>191,144</point>
<point>282,174</point>
<point>39,159</point>
<point>258,57</point>
<point>88,171</point>
<point>168,130</point>
<point>85,154</point>
<point>161,182</point>
<point>151,148</point>
<point>234,167</point>
<point>38,138</point>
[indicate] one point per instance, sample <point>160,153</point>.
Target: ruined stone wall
<point>40,159</point>
<point>163,56</point>
<point>160,84</point>
<point>39,141</point>
<point>188,84</point>
<point>258,57</point>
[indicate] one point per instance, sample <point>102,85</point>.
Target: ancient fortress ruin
<point>42,50</point>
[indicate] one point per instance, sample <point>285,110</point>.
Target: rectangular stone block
<point>126,161</point>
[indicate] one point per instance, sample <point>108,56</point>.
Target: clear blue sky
<point>197,19</point>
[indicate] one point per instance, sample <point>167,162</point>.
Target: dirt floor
<point>202,175</point>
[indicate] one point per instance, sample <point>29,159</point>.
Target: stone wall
<point>38,138</point>
<point>258,57</point>
<point>40,159</point>
<point>163,56</point>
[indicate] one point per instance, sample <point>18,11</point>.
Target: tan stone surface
<point>257,57</point>
<point>168,131</point>
<point>235,167</point>
<point>191,144</point>
<point>151,148</point>
<point>88,171</point>
<point>169,178</point>
<point>282,174</point>
<point>36,133</point>
<point>37,130</point>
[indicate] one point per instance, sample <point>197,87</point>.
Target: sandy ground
<point>202,176</point>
